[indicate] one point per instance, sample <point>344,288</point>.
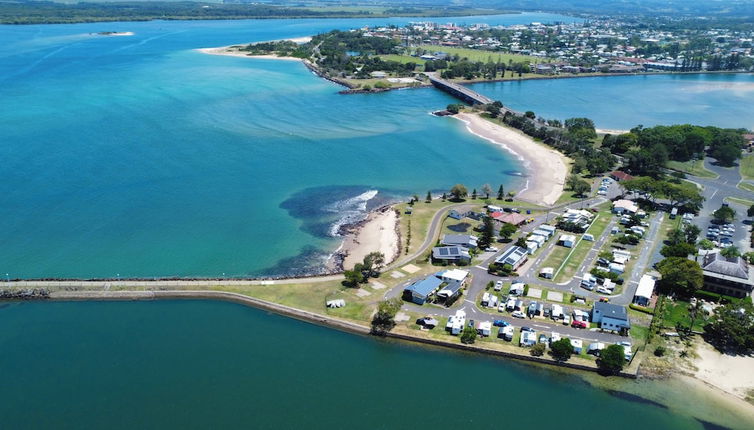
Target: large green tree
<point>384,319</point>
<point>458,192</point>
<point>488,232</point>
<point>612,359</point>
<point>681,275</point>
<point>507,230</point>
<point>562,349</point>
<point>724,214</point>
<point>732,329</point>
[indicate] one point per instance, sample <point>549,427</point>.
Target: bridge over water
<point>459,91</point>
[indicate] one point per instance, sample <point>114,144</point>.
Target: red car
<point>604,300</point>
<point>578,324</point>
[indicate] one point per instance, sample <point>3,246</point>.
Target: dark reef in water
<point>634,398</point>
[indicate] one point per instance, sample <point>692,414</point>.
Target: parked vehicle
<point>498,285</point>
<point>501,306</point>
<point>566,320</point>
<point>578,324</point>
<point>604,300</point>
<point>492,249</point>
<point>542,339</point>
<point>500,323</point>
<point>518,314</point>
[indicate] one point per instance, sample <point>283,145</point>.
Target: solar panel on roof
<point>443,251</point>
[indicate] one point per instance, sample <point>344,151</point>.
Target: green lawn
<point>403,59</point>
<point>583,247</point>
<point>743,202</point>
<point>694,167</point>
<point>747,167</point>
<point>677,312</point>
<point>557,255</point>
<point>746,186</point>
<point>482,55</point>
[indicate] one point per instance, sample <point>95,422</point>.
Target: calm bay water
<point>201,364</point>
<point>623,102</point>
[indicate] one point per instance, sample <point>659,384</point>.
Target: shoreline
<point>378,232</point>
<point>547,169</point>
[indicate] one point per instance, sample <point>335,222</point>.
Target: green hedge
<point>641,309</point>
<point>716,297</point>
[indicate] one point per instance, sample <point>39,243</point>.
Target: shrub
<point>537,350</point>
<point>468,336</point>
<point>660,351</point>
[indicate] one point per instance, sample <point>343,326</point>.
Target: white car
<point>501,307</point>
<point>566,320</point>
<point>518,314</point>
<point>498,285</point>
<point>492,249</point>
<point>603,290</point>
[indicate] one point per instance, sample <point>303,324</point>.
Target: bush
<point>537,350</point>
<point>660,351</point>
<point>641,309</point>
<point>468,336</point>
<point>381,85</point>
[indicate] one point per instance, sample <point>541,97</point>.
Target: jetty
<point>459,91</point>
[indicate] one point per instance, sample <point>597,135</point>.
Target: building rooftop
<point>612,311</point>
<point>426,286</point>
<point>447,252</point>
<point>734,267</point>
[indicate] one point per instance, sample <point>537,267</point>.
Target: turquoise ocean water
<point>138,156</point>
<point>199,364</point>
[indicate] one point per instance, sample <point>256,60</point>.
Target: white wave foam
<point>351,210</point>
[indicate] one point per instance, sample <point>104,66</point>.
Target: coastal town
<point>621,255</point>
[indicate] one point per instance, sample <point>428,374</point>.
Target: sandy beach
<point>233,51</point>
<point>230,51</point>
<point>547,168</point>
<point>376,233</point>
<point>733,374</point>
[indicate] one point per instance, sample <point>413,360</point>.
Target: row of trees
<point>648,150</point>
<point>681,194</point>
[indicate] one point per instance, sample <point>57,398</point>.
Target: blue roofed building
<point>420,291</point>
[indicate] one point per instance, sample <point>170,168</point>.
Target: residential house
<point>644,291</point>
<point>619,175</point>
<point>729,276</point>
<point>610,316</point>
<point>464,240</point>
<point>624,206</point>
<point>420,291</point>
<point>515,256</point>
<point>451,253</point>
<point>509,218</point>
